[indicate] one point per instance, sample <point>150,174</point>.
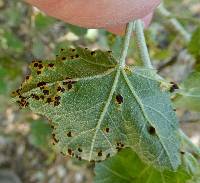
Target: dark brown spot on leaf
<point>40,66</point>
<point>173,87</point>
<point>35,65</point>
<point>77,56</point>
<point>100,153</point>
<point>80,150</point>
<point>39,72</point>
<point>119,99</point>
<point>108,155</point>
<point>50,65</point>
<point>41,84</point>
<point>46,92</point>
<point>49,100</point>
<point>54,138</point>
<point>56,103</point>
<point>107,130</point>
<point>69,86</point>
<point>92,53</point>
<point>63,58</point>
<point>152,130</point>
<point>69,152</point>
<point>69,134</point>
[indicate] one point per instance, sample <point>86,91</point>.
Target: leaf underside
<point>96,108</point>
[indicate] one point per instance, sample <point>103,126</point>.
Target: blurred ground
<point>27,34</point>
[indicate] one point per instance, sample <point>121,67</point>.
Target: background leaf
<point>127,167</point>
<point>189,95</point>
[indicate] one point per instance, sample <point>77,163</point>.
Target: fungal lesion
<point>151,130</point>
<point>119,99</point>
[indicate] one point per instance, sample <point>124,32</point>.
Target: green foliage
<point>40,134</point>
<point>127,167</point>
<point>97,108</point>
<point>43,22</point>
<point>189,95</point>
<point>194,44</point>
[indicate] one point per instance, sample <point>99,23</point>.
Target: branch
<point>174,22</point>
<point>141,44</point>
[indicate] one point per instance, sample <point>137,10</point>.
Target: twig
<point>141,44</point>
<point>174,22</point>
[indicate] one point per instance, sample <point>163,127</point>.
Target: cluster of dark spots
<point>41,84</point>
<point>39,72</point>
<point>46,92</point>
<point>36,97</point>
<point>23,102</point>
<point>69,134</point>
<point>109,51</point>
<point>62,49</point>
<point>51,65</point>
<point>42,97</point>
<point>57,101</point>
<point>80,150</point>
<point>54,138</point>
<point>49,100</point>
<point>107,130</point>
<point>100,153</point>
<point>69,84</point>
<point>119,99</point>
<point>52,127</point>
<point>151,130</point>
<point>78,157</point>
<point>173,87</point>
<point>119,146</point>
<point>92,53</point>
<point>60,89</point>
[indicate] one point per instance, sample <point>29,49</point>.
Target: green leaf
<point>189,95</point>
<point>127,167</point>
<point>192,166</point>
<point>194,44</point>
<point>43,22</point>
<point>40,134</point>
<point>97,108</point>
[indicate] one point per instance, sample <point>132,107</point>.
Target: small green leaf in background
<point>97,108</point>
<point>189,95</point>
<point>42,22</point>
<point>127,167</point>
<point>12,41</point>
<point>194,45</point>
<point>40,134</point>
